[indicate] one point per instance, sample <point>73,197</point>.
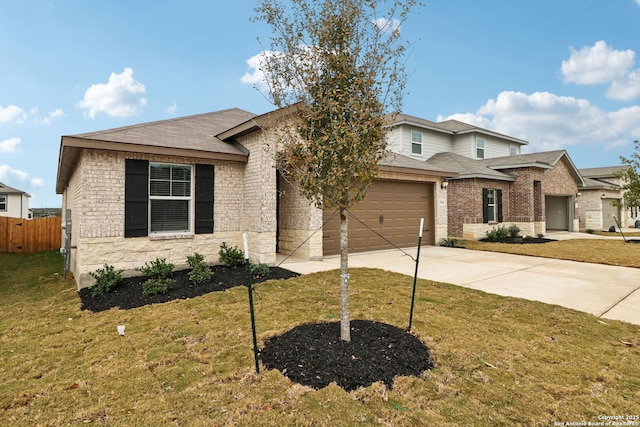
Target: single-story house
<point>601,200</point>
<point>170,188</point>
<point>14,203</point>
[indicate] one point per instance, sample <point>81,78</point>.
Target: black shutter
<point>136,198</point>
<point>204,199</point>
<point>499,204</point>
<point>485,205</point>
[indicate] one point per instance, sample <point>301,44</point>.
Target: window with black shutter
<point>136,198</point>
<point>491,205</point>
<point>159,199</point>
<point>204,199</point>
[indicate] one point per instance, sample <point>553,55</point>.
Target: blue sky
<point>559,74</point>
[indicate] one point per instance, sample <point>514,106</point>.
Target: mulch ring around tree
<point>518,240</point>
<point>128,294</point>
<point>313,355</point>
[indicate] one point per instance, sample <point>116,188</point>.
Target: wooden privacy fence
<point>30,235</point>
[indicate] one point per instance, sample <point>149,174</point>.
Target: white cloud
<point>12,113</point>
<point>255,75</point>
<point>388,25</point>
<point>10,145</point>
<point>120,97</point>
<point>49,118</point>
<point>8,174</point>
<point>172,108</point>
<point>627,88</point>
<point>638,2</point>
<point>549,121</point>
<point>597,64</point>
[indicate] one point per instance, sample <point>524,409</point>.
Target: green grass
<point>499,361</point>
<point>611,252</point>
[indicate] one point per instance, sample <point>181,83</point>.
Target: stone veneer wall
<point>96,197</point>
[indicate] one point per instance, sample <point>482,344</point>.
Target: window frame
<point>5,202</point>
<point>480,149</point>
<point>189,198</point>
<point>513,150</point>
<point>491,207</point>
<point>415,143</point>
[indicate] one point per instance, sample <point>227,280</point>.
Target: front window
<point>491,205</point>
<point>480,148</point>
<point>169,198</point>
<point>513,151</point>
<point>416,142</point>
<point>3,202</point>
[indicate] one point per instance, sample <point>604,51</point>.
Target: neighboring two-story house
<point>495,184</point>
<point>13,202</point>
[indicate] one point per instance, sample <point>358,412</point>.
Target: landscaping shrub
<point>159,273</point>
<point>449,242</point>
<point>231,256</point>
<point>107,279</point>
<point>200,273</point>
<point>513,230</point>
<point>259,270</point>
<point>156,286</point>
<point>496,234</point>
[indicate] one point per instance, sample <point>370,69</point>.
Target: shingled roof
<point>492,168</point>
<point>191,136</point>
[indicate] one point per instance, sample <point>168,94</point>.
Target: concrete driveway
<point>605,291</point>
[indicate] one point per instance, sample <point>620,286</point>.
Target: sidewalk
<point>605,291</point>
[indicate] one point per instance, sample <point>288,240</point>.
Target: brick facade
<point>523,201</point>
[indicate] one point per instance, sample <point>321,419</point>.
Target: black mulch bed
<point>519,240</point>
<point>128,294</point>
<point>314,355</point>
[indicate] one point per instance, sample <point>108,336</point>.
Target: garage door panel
<point>393,209</point>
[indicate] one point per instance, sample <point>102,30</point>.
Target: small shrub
<point>107,279</point>
<point>157,286</point>
<point>449,242</point>
<point>590,231</point>
<point>200,273</point>
<point>259,270</point>
<point>513,230</point>
<point>231,256</point>
<point>158,269</point>
<point>540,235</point>
<point>502,232</point>
<point>159,273</point>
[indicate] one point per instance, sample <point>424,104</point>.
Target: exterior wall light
<point>444,185</point>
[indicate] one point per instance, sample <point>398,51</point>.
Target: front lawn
<point>498,360</point>
<point>600,251</point>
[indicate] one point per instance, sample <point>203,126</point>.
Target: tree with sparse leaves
<point>631,177</point>
<point>338,65</point>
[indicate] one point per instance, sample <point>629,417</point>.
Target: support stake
<point>415,276</point>
<point>250,290</point>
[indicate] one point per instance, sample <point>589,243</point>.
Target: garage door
<point>609,209</point>
<point>393,209</point>
<point>557,212</point>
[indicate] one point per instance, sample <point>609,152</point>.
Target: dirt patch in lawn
<point>313,354</point>
<point>128,294</point>
<point>518,240</point>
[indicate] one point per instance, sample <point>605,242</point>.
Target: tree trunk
<point>345,323</point>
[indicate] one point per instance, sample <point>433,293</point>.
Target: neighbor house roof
<point>492,168</point>
<point>10,190</point>
<point>451,127</point>
<point>598,178</point>
<point>394,162</point>
<point>191,136</point>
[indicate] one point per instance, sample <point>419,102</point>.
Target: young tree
<point>631,177</point>
<point>338,64</point>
